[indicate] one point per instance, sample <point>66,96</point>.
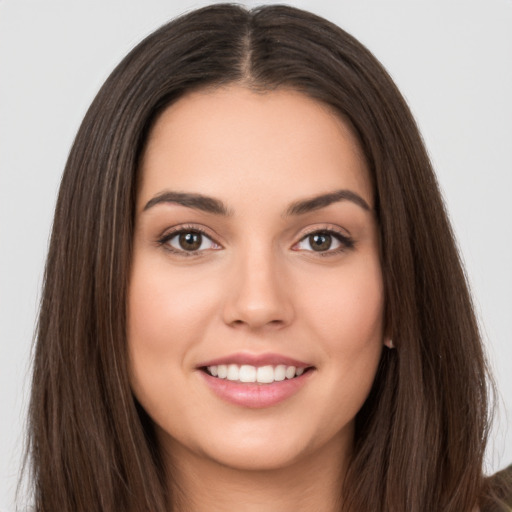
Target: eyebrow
<point>323,200</point>
<point>196,201</point>
<point>211,205</point>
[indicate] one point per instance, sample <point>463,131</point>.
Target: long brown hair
<point>421,434</point>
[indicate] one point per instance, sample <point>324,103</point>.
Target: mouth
<point>255,381</point>
<point>250,374</point>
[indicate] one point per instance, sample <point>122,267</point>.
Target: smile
<point>255,381</point>
<point>254,374</point>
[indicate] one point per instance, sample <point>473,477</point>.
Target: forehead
<point>232,140</point>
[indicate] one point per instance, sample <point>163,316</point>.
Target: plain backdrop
<point>451,59</point>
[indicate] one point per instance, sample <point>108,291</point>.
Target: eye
<point>324,241</point>
<point>188,241</point>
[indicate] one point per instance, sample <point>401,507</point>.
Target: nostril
<point>255,323</point>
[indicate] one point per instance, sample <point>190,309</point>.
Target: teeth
<point>233,372</point>
<point>280,372</point>
<point>265,375</point>
<point>260,374</point>
<point>222,371</point>
<point>289,372</point>
<point>247,373</point>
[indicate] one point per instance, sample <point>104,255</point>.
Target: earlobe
<point>388,342</point>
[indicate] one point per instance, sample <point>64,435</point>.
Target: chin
<point>255,446</point>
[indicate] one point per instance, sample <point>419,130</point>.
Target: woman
<point>252,297</point>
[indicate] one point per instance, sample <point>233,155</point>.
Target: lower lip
<point>255,396</point>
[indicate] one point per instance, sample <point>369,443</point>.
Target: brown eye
<point>190,241</point>
<point>328,242</point>
<point>320,241</point>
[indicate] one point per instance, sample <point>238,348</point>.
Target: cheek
<point>349,324</point>
<point>348,308</point>
<point>347,321</point>
<point>166,308</point>
<point>167,312</point>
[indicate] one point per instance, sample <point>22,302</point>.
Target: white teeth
<point>247,373</point>
<point>261,374</point>
<point>222,371</point>
<point>265,374</point>
<point>280,372</point>
<point>290,372</point>
<point>233,372</point>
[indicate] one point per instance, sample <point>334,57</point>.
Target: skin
<point>256,286</point>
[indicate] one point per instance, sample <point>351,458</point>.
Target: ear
<point>388,342</point>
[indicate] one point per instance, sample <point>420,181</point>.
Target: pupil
<point>190,241</point>
<point>320,242</point>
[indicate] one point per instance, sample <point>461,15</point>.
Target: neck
<point>312,483</point>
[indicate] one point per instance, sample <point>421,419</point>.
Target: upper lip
<point>255,360</point>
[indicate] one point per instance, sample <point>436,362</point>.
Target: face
<point>255,303</point>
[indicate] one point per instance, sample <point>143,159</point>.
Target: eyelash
<point>165,239</point>
<point>346,242</point>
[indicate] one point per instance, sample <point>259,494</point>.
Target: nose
<point>258,293</point>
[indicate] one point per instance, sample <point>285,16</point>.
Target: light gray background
<point>451,59</point>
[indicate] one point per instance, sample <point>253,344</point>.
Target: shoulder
<point>498,492</point>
